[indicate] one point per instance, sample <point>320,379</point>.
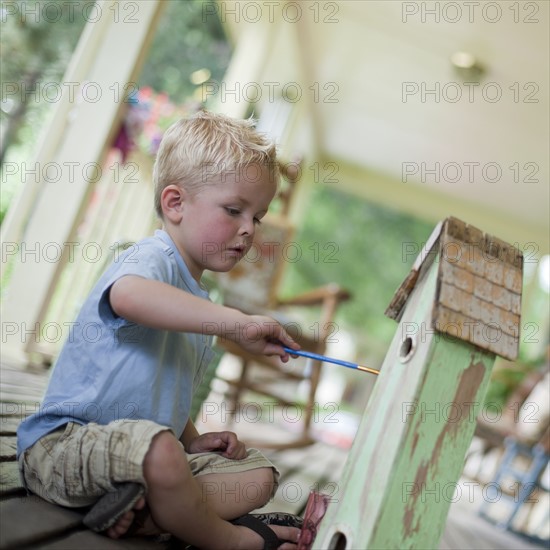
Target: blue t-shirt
<point>111,369</point>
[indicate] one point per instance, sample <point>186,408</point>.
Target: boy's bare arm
<point>161,306</point>
<point>190,433</point>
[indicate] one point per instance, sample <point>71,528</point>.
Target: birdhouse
<point>457,309</point>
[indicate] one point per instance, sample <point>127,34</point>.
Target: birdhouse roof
<point>478,291</point>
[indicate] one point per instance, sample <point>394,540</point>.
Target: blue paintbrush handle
<point>319,357</point>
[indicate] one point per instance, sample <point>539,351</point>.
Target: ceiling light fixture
<point>467,66</point>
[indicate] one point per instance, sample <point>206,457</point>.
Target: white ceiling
<point>365,52</point>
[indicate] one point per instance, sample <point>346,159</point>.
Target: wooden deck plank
<point>88,540</point>
<point>22,390</point>
<point>9,424</point>
<point>26,391</point>
<point>465,529</point>
<point>28,378</point>
<point>10,484</point>
<point>31,403</point>
<point>47,521</point>
<point>13,392</point>
<point>25,378</point>
<point>8,447</point>
<point>59,528</point>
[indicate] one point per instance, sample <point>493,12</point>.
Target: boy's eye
<point>232,211</point>
<point>257,221</point>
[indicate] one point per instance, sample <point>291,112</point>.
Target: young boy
<point>116,412</point>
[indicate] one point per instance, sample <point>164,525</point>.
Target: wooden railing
<point>119,213</point>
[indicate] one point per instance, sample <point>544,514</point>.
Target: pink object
<point>316,508</point>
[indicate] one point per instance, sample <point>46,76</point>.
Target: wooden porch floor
<point>29,522</point>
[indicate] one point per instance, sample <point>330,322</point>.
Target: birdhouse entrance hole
<point>406,351</point>
<point>338,541</point>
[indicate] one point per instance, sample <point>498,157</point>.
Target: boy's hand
<point>263,336</point>
<point>226,443</point>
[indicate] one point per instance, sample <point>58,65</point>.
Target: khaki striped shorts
<point>76,464</point>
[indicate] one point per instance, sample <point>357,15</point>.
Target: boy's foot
<point>122,512</point>
<point>137,522</point>
<point>124,522</point>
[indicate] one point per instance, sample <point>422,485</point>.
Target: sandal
<point>280,518</point>
<point>111,506</point>
<point>259,524</point>
<point>271,540</point>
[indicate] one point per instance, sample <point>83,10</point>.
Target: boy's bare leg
<point>178,505</point>
<point>233,495</point>
<point>229,495</point>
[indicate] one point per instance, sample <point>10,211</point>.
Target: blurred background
<point>389,117</point>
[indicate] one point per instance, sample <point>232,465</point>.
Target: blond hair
<point>194,150</point>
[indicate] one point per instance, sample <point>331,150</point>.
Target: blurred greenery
<point>363,248</point>
<point>187,47</point>
<point>503,383</point>
<point>505,378</point>
<point>534,338</point>
<point>35,49</point>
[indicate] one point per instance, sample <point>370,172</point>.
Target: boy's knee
<point>165,463</point>
<point>265,481</point>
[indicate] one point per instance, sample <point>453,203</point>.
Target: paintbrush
<point>319,357</point>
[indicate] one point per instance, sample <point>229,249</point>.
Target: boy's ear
<point>171,201</point>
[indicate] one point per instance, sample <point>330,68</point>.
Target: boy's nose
<point>247,228</point>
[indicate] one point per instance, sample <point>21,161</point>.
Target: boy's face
<point>218,223</point>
